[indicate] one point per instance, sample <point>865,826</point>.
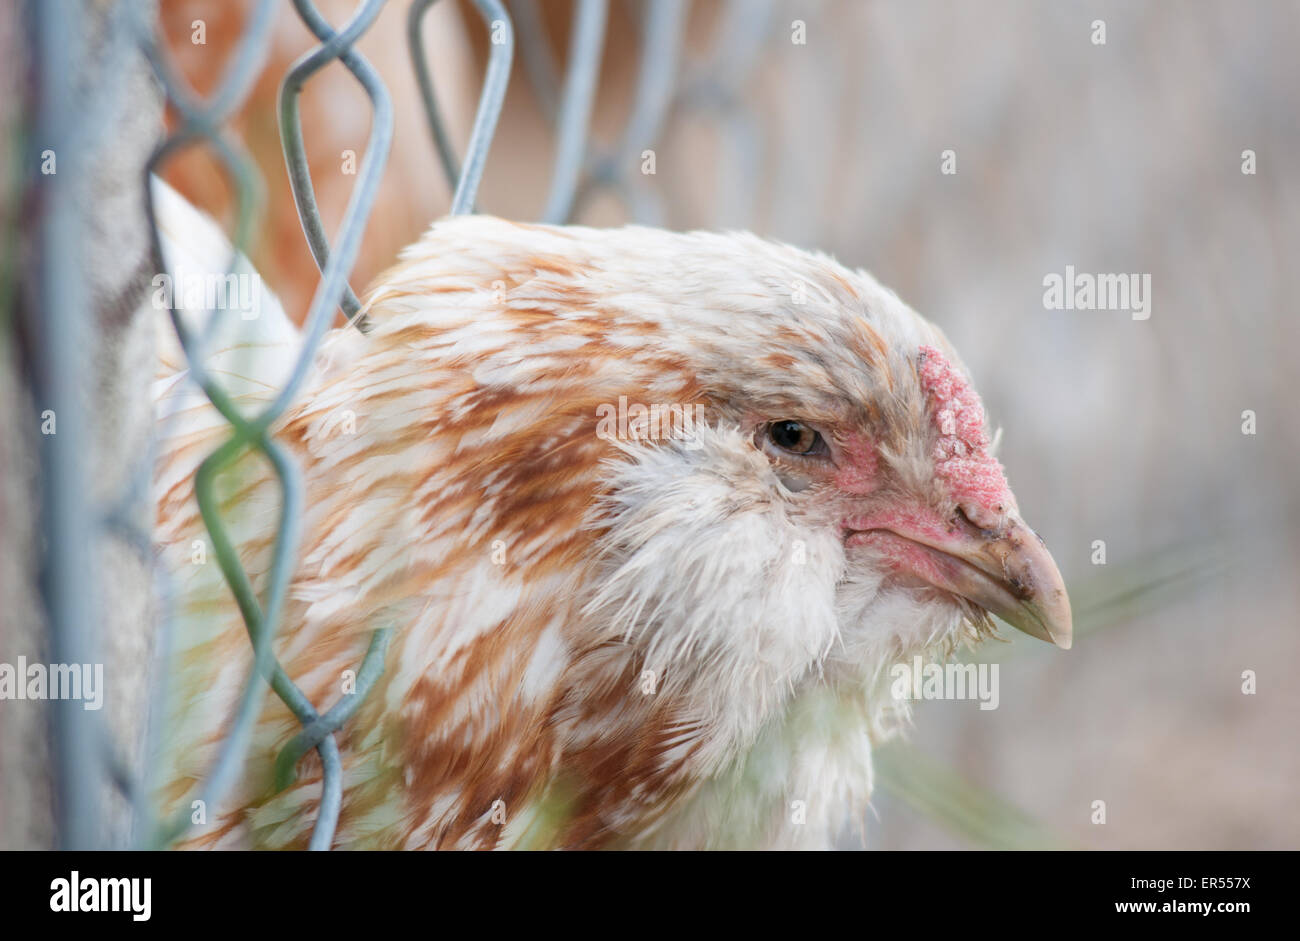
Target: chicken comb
<point>961,452</point>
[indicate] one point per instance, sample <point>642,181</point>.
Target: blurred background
<point>1107,136</point>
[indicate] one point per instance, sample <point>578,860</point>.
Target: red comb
<point>961,456</point>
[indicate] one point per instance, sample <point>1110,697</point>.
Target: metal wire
<point>466,180</point>
<point>539,60</point>
<point>202,121</point>
<point>657,77</point>
<point>441,140</point>
<point>575,108</point>
<point>336,46</point>
<point>60,369</point>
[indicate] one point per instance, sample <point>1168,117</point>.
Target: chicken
<point>649,514</point>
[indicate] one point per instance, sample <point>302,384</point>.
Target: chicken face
<point>929,509</point>
<point>873,432</point>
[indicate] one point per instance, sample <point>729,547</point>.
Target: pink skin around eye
<point>858,465</point>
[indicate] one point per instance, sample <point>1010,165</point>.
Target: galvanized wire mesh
<point>201,121</point>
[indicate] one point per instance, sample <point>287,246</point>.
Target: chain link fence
<point>580,172</point>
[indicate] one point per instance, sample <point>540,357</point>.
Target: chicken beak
<point>1008,573</point>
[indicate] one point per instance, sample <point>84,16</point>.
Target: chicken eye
<point>795,437</point>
